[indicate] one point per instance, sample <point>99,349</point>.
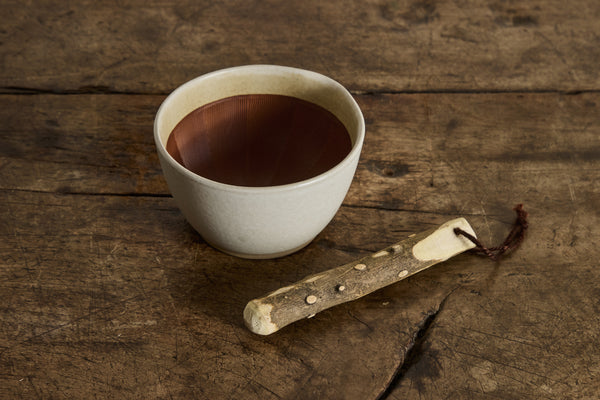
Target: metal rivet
<point>340,288</point>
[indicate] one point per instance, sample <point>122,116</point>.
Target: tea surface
<point>259,140</point>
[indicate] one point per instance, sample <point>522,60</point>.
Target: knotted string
<point>512,241</point>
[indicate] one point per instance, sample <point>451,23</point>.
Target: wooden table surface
<point>471,107</point>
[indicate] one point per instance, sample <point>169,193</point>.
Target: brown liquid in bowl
<point>259,140</point>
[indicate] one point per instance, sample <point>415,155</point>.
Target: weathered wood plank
<point>97,286</point>
<point>379,45</point>
<point>86,144</point>
<point>117,296</point>
<point>445,153</point>
<point>510,340</point>
<point>107,292</point>
<point>460,153</point>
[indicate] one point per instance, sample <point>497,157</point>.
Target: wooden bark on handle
<point>351,281</point>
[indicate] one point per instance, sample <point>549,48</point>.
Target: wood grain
<point>117,296</point>
<point>108,291</point>
<point>378,45</point>
<point>420,153</point>
<point>471,108</point>
<point>80,144</point>
<point>512,351</point>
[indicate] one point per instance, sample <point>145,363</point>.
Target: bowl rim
<point>348,159</point>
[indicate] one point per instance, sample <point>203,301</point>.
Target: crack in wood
<point>358,92</point>
<point>74,193</point>
<point>106,90</point>
<point>409,210</point>
<point>414,351</point>
<point>84,90</point>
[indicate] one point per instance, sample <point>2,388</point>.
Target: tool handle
<point>351,281</point>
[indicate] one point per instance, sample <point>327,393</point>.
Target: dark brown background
<point>471,108</point>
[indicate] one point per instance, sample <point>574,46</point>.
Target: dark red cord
<point>512,241</point>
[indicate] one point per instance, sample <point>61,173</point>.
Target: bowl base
<point>259,256</point>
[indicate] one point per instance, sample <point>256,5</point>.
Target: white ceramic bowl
<point>259,222</point>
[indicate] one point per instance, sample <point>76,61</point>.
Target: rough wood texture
<point>108,293</point>
<point>377,45</point>
<point>351,281</point>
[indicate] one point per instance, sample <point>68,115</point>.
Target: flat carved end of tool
<point>257,317</point>
<point>443,243</point>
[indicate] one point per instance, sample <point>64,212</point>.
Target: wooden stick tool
<point>356,279</point>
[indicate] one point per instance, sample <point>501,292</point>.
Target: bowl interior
<point>259,140</point>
